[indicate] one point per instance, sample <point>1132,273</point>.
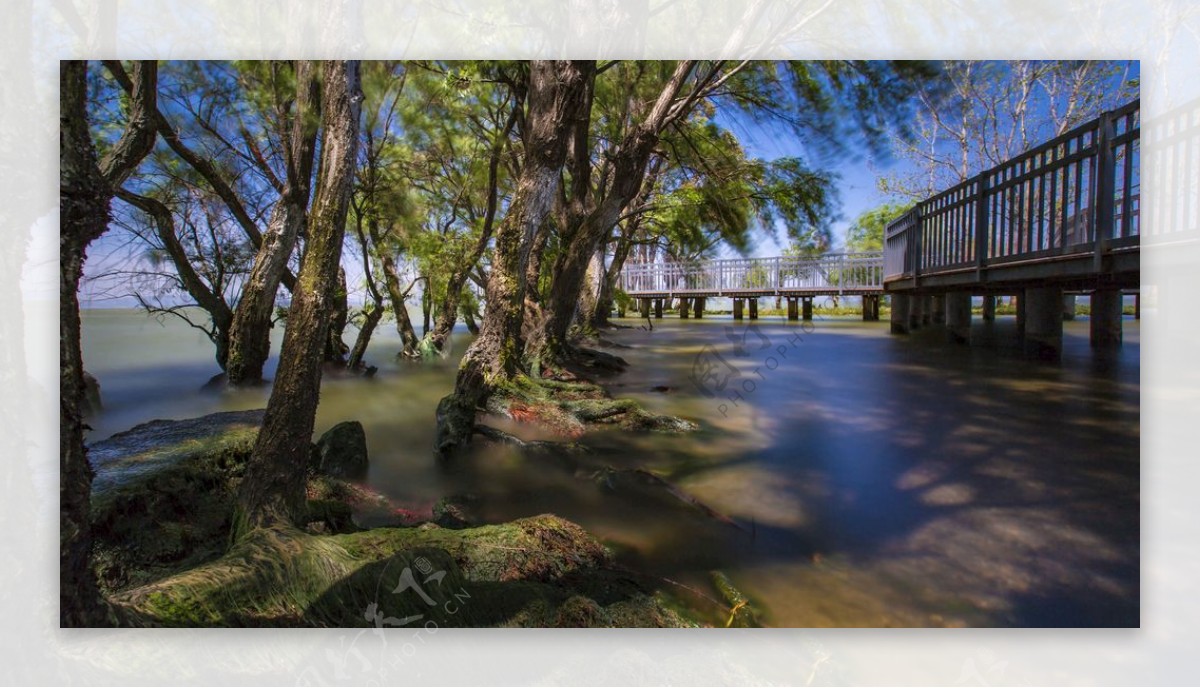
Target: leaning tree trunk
<point>273,488</point>
<point>85,195</point>
<point>557,91</point>
<point>391,282</point>
<point>250,333</point>
<point>628,160</point>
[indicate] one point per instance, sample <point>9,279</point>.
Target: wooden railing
<point>829,273</point>
<point>1077,193</point>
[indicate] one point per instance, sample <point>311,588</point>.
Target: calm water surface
<point>877,480</point>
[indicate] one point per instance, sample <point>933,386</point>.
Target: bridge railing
<point>1079,192</point>
<point>827,273</point>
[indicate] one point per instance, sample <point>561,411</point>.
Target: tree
<point>272,491</point>
<point>557,94</point>
<point>295,96</point>
<point>86,186</point>
<point>866,233</point>
<point>982,113</point>
<point>829,102</point>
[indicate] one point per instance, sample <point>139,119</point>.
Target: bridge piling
<point>916,316</point>
<point>1043,322</point>
<point>683,308</point>
<point>1018,302</point>
<point>938,308</point>
<point>1106,319</point>
<point>793,312</point>
<point>754,308</point>
<point>1068,307</point>
<point>806,308</point>
<point>644,307</point>
<point>900,313</point>
<point>698,307</point>
<point>958,316</point>
<point>989,307</point>
<point>658,309</point>
<point>738,309</point>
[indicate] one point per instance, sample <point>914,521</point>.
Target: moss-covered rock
<point>540,571</point>
<point>161,523</point>
<point>342,451</point>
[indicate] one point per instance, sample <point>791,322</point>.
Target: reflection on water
<point>877,480</point>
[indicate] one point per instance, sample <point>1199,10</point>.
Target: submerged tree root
<point>570,407</point>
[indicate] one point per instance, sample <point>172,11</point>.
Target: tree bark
<point>273,488</point>
<point>85,196</point>
<point>335,348</point>
<point>557,91</point>
<point>391,282</point>
<point>250,335</point>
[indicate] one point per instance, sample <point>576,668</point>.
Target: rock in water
<point>342,451</point>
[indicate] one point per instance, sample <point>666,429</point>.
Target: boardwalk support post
<point>916,309</point>
<point>938,308</point>
<point>1106,319</point>
<point>1043,323</point>
<point>958,316</point>
<point>989,307</point>
<point>900,308</point>
<point>1068,312</point>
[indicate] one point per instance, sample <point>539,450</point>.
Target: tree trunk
<point>371,318</point>
<point>593,222</point>
<point>273,488</point>
<point>608,285</point>
<point>335,347</point>
<point>207,299</point>
<point>557,91</point>
<point>427,308</point>
<point>589,296</point>
<point>85,195</point>
<point>250,333</point>
<point>391,281</point>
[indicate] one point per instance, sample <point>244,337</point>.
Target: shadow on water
<point>876,480</point>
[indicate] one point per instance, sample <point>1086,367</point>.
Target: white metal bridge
<point>850,274</point>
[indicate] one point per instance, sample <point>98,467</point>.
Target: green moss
<point>540,571</point>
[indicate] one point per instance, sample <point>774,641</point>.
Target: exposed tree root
<point>570,407</point>
<point>540,571</point>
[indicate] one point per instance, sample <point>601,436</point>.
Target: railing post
<point>778,284</point>
<point>915,244</point>
<point>981,226</point>
<point>1105,186</point>
<point>841,273</point>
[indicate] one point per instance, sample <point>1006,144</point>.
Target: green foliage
<point>866,234</point>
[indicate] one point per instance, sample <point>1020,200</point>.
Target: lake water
<point>877,480</point>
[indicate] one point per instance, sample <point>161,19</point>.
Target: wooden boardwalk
<point>1061,219</point>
